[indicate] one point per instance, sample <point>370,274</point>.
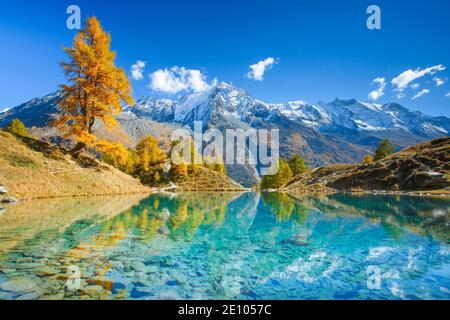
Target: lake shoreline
<point>423,194</point>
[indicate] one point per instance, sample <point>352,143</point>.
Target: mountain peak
<point>225,101</point>
<point>224,85</point>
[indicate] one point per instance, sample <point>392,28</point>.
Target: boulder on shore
<point>3,190</point>
<point>4,197</point>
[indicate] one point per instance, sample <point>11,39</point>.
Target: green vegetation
<point>422,167</point>
<point>297,165</point>
<point>385,148</point>
<point>285,207</point>
<point>17,127</point>
<point>287,169</point>
<point>21,161</point>
<point>279,179</point>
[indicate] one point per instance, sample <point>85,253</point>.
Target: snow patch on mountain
<point>225,99</point>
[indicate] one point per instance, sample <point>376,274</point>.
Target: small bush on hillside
<point>17,127</point>
<point>385,148</point>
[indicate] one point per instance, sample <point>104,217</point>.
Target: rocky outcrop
<point>422,167</point>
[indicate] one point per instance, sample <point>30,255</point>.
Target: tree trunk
<point>77,149</point>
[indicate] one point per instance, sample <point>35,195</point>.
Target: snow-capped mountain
<point>34,113</point>
<point>351,114</point>
<point>341,131</point>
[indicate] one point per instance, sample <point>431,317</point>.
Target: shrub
<point>297,165</point>
<point>17,127</point>
<point>384,149</point>
<point>368,159</point>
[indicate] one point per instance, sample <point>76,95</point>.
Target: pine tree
<point>284,174</point>
<point>384,149</point>
<point>278,180</point>
<point>17,127</point>
<point>96,86</point>
<point>297,165</point>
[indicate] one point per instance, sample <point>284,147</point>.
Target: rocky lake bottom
<point>226,246</point>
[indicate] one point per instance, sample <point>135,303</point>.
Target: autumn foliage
<point>95,90</point>
<point>17,127</point>
<point>368,159</point>
<point>149,154</point>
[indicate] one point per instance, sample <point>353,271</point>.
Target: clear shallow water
<point>234,246</point>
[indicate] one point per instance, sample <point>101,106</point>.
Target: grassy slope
<point>33,169</point>
<point>424,167</point>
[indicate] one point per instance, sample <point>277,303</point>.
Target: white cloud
<point>137,70</point>
<point>421,93</point>
<point>400,95</point>
<point>401,82</point>
<point>178,79</point>
<point>447,94</point>
<point>378,93</point>
<point>415,86</point>
<point>438,81</point>
<point>257,70</point>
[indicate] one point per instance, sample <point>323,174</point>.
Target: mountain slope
<point>227,100</point>
<point>418,168</point>
<point>342,131</point>
<point>37,114</point>
<point>32,169</point>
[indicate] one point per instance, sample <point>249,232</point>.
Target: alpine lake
<point>253,246</point>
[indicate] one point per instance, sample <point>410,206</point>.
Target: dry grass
<point>421,167</point>
<point>208,180</point>
<point>32,169</point>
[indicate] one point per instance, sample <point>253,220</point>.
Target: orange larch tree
<point>96,87</point>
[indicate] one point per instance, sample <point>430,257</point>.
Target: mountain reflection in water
<point>227,246</point>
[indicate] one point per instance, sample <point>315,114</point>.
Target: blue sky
<point>321,49</point>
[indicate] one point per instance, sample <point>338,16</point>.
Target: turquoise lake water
<point>232,246</point>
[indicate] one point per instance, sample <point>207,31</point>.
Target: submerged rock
<point>7,270</point>
<point>18,285</point>
<point>19,288</point>
<point>94,291</point>
<point>29,296</point>
<point>46,271</point>
<point>104,282</point>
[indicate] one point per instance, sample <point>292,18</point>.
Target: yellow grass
<point>33,169</point>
